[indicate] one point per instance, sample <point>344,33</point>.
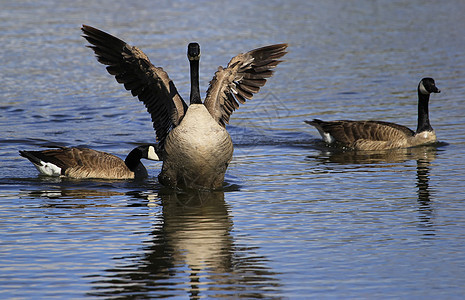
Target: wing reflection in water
<point>424,155</point>
<point>191,253</point>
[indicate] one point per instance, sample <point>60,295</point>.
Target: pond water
<point>296,219</point>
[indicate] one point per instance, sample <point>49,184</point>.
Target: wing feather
<point>245,74</point>
<point>132,68</point>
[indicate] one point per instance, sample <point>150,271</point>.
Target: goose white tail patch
<point>328,138</point>
<point>48,169</point>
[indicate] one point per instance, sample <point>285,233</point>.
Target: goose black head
<point>193,51</point>
<point>428,86</point>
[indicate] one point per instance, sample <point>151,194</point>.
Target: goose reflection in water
<point>191,252</point>
<point>424,156</point>
<point>424,192</point>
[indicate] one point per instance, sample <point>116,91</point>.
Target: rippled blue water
<point>295,220</point>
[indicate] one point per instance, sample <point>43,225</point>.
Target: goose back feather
<point>380,135</point>
<point>362,134</point>
<point>79,162</point>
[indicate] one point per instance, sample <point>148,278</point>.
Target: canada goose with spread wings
<point>192,140</point>
<point>88,163</point>
<point>379,135</point>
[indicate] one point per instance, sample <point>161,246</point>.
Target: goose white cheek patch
<point>152,155</point>
<point>423,89</point>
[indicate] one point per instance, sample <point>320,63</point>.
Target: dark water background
<point>295,220</point>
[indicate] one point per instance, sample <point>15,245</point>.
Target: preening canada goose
<point>89,163</point>
<point>379,135</point>
<point>192,141</point>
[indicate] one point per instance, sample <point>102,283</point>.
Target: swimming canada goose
<point>88,163</point>
<point>379,135</point>
<point>192,141</point>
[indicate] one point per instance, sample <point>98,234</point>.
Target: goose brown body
<point>380,135</point>
<point>192,140</point>
<point>88,163</point>
<point>370,135</point>
<point>206,166</point>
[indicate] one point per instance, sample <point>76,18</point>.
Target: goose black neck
<point>195,90</point>
<point>423,114</point>
<point>133,158</point>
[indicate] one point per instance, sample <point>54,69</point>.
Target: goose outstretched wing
<point>150,84</point>
<point>245,74</point>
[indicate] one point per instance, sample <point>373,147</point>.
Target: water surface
<point>296,219</point>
